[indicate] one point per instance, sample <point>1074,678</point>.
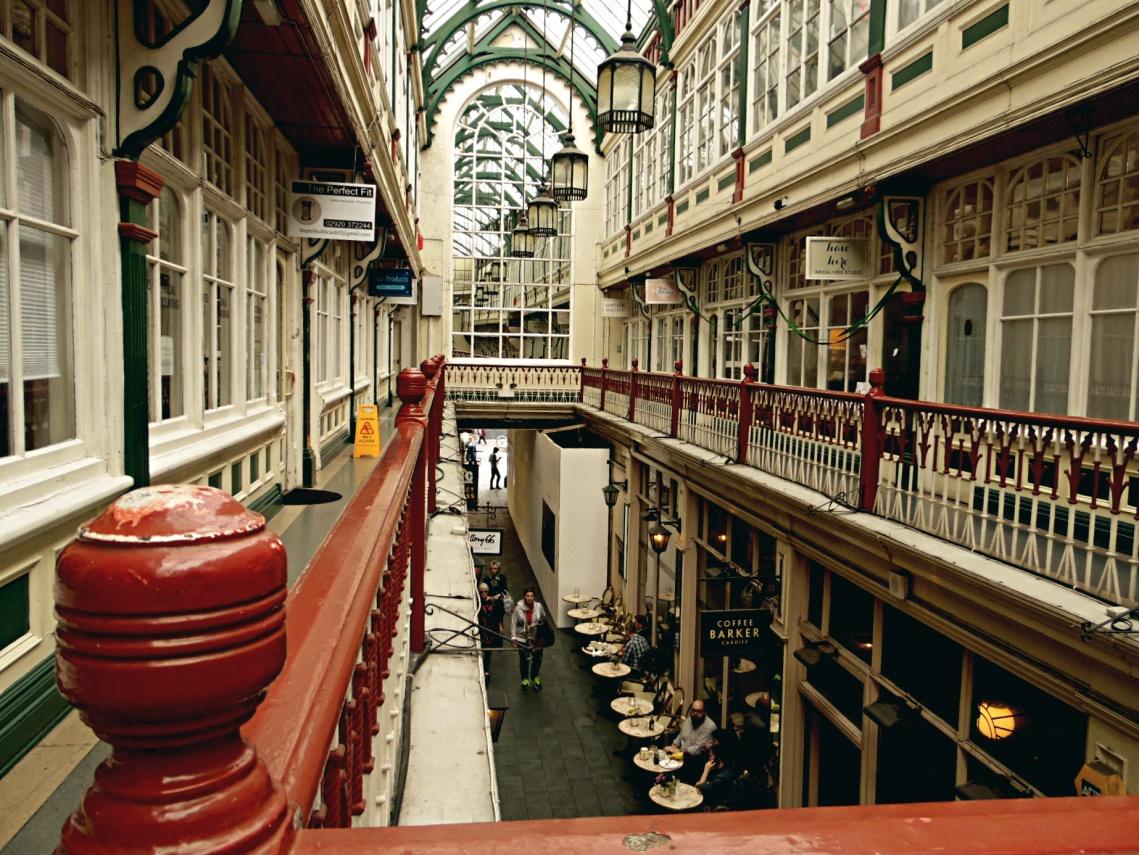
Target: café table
<point>583,614</point>
<point>744,666</point>
<point>591,628</point>
<point>631,706</point>
<point>577,599</point>
<point>612,670</point>
<point>599,649</point>
<point>639,726</point>
<point>651,764</point>
<point>757,699</point>
<point>685,797</point>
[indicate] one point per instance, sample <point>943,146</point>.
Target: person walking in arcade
<point>528,618</point>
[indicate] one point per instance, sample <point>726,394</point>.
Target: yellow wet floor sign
<point>367,431</point>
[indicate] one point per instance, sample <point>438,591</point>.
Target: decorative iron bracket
<point>639,299</point>
<point>154,79</point>
<point>761,264</point>
<point>901,223</point>
<point>312,249</point>
<point>1080,121</point>
<point>686,278</point>
<point>1122,623</point>
<point>372,253</point>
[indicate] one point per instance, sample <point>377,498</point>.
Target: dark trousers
<point>489,640</point>
<point>495,478</point>
<point>530,662</point>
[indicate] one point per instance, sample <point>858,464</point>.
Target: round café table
<point>612,670</point>
<point>651,764</point>
<point>583,614</point>
<point>638,727</point>
<point>576,599</point>
<point>755,699</point>
<point>685,797</point>
<point>631,706</point>
<point>591,628</point>
<point>744,666</point>
<point>599,649</point>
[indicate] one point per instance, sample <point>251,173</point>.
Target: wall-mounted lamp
<point>780,202</point>
<point>998,720</point>
<point>814,652</point>
<point>496,707</point>
<point>846,203</point>
<point>888,714</point>
<point>612,490</point>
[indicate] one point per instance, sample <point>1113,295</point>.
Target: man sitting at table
<point>695,738</point>
<point>634,650</point>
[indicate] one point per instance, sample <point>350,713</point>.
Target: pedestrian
<point>472,456</point>
<point>495,580</point>
<point>495,475</point>
<point>528,615</point>
<point>482,436</point>
<point>490,624</point>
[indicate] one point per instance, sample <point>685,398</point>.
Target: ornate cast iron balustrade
<point>1053,495</point>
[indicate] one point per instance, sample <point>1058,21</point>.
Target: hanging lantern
<point>626,89</point>
<point>542,214</point>
<point>522,240</point>
<point>996,720</point>
<point>569,172</point>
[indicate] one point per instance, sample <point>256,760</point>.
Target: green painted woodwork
<point>742,75</point>
<point>135,144</point>
<point>14,610</point>
<point>648,226</point>
<point>681,207</point>
<point>629,189</point>
<point>909,72</point>
<point>851,108</point>
<point>333,444</point>
<point>28,711</point>
<point>876,38</point>
<point>135,340</point>
<point>797,139</point>
<point>726,181</point>
<point>759,161</point>
<point>269,502</point>
<point>702,195</point>
<point>636,233</point>
<point>985,27</point>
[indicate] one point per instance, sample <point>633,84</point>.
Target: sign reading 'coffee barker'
<point>732,633</point>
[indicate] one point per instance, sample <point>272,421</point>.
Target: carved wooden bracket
<point>155,78</point>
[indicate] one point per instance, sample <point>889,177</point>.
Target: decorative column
<point>411,386</point>
<point>171,625</point>
<point>138,187</point>
<point>872,441</point>
<point>872,69</point>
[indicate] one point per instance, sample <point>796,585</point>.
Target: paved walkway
<point>555,754</point>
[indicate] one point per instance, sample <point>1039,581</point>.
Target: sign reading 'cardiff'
<point>732,633</point>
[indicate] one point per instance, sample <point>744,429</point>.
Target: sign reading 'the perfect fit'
<point>732,633</point>
<point>324,209</point>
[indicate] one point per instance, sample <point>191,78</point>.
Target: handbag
<point>544,634</point>
<point>507,603</point>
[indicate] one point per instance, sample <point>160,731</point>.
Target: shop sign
<point>614,307</point>
<point>662,291</point>
<point>485,541</point>
<point>733,632</point>
<point>837,258</point>
<point>396,284</point>
<point>323,209</point>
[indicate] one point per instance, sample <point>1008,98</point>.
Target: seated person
<point>718,777</point>
<point>633,652</point>
<point>696,736</point>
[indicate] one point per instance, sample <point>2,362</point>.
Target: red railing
<point>1054,495</point>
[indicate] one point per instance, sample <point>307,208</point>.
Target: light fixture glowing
<point>997,720</point>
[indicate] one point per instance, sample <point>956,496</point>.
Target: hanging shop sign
<point>321,209</point>
<point>837,258</point>
<point>485,541</point>
<point>734,632</point>
<point>662,291</point>
<point>398,285</point>
<point>614,307</point>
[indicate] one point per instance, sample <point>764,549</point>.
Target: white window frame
<point>178,267</point>
<point>214,284</point>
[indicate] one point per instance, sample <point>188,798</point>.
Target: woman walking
<point>528,616</point>
<point>490,624</point>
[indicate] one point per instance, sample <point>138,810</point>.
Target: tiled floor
<point>554,757</point>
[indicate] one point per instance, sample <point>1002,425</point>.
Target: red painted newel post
<point>873,435</point>
<point>411,386</point>
<point>674,424</point>
<point>430,369</point>
<point>604,381</point>
<point>581,375</point>
<point>633,392</point>
<point>171,625</point>
<point>746,413</point>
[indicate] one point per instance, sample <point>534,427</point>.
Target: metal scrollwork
<point>901,224</point>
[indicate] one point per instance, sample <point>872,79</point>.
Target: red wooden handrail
<point>1097,826</point>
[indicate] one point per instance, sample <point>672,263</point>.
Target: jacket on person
<point>521,631</point>
<point>490,618</point>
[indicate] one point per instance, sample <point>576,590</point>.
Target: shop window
<point>217,310</point>
<point>1043,204</point>
<point>729,101</point>
<point>831,763</point>
<point>802,50</point>
<point>1111,385</point>
<point>922,662</point>
<point>765,82</point>
<point>1039,738</point>
<point>549,534</point>
<point>1117,192</point>
<point>916,761</point>
<point>846,352</point>
<point>803,353</point>
<point>166,297</point>
<point>1036,338</point>
<point>967,226</point>
<point>852,618</point>
<point>256,320</point>
<point>256,158</point>
<point>40,366</point>
<point>43,28</point>
<point>965,345</point>
<point>815,586</point>
<point>217,131</point>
